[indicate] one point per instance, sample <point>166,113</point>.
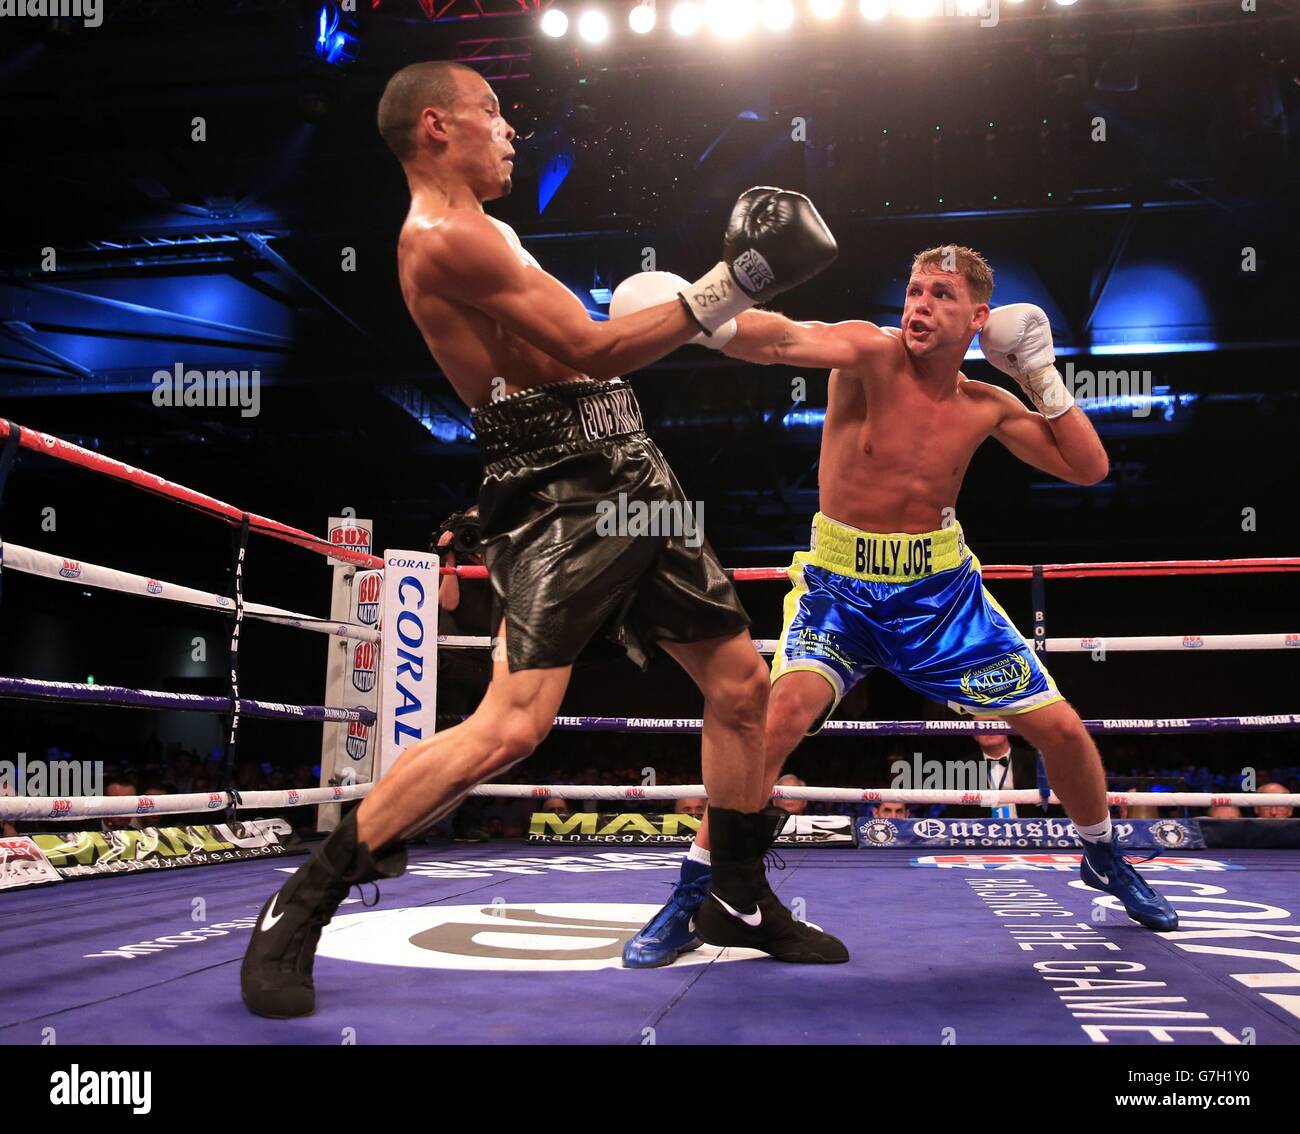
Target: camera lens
<point>467,539</point>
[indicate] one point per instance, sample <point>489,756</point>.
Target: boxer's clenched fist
<point>1017,339</point>
<point>649,289</point>
<point>775,240</point>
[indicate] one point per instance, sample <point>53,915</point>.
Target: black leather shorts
<point>586,530</point>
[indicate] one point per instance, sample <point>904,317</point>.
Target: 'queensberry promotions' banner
<point>1167,834</point>
<point>80,854</point>
<point>634,828</point>
<point>410,655</point>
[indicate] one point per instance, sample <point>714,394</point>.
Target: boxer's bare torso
<point>902,421</point>
<point>472,348</point>
<point>896,446</point>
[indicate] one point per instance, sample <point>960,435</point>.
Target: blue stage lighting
<point>813,418</point>
<point>334,43</point>
<point>1152,308</point>
<point>552,177</point>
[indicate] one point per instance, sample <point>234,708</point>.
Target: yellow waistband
<point>898,557</point>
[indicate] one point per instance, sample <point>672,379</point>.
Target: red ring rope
<point>118,470</point>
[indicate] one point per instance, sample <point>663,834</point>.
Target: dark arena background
<point>201,186</point>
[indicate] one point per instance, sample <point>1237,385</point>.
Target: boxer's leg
<point>428,781</point>
<point>741,908</point>
<point>799,699</point>
<point>734,681</point>
<point>433,776</point>
<point>1072,760</point>
<point>809,683</point>
<point>990,670</point>
<point>1075,771</point>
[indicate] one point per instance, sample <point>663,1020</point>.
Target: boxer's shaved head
<point>444,123</point>
<point>439,84</point>
<point>962,261</point>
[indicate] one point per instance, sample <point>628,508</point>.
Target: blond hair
<point>965,262</point>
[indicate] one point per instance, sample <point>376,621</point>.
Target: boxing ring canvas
<point>504,943</point>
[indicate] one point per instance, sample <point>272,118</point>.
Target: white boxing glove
<point>649,289</point>
<point>1017,339</point>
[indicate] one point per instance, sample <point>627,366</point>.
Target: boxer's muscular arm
<point>765,336</point>
<point>1067,446</point>
<point>465,258</point>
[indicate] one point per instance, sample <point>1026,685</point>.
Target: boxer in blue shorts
<point>888,580</point>
<point>913,604</point>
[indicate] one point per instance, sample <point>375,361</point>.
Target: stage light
<point>1065,3</point>
<point>874,10</point>
<point>593,26</point>
<point>917,9</point>
<point>826,9</point>
<point>778,15</point>
<point>554,23</point>
<point>686,18</point>
<point>730,19</point>
<point>642,18</point>
<point>334,43</point>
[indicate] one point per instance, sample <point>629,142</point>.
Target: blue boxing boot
<point>671,931</point>
<point>1104,867</point>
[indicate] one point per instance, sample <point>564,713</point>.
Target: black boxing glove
<point>775,241</point>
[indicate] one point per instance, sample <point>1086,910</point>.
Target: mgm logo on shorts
<point>1007,677</point>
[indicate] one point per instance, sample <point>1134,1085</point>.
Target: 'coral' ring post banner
<point>410,653</point>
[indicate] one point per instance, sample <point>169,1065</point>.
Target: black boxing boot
<point>741,909</point>
<point>276,975</point>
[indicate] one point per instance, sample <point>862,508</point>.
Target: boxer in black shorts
<point>554,455</point>
<point>564,444</point>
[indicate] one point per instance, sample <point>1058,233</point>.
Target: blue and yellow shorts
<point>914,605</point>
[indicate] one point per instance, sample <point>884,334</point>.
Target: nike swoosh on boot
<point>270,919</point>
<point>753,920</point>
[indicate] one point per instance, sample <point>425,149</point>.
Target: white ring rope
<point>48,807</point>
<point>1141,644</point>
<point>886,795</point>
<point>32,562</point>
<point>118,806</point>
